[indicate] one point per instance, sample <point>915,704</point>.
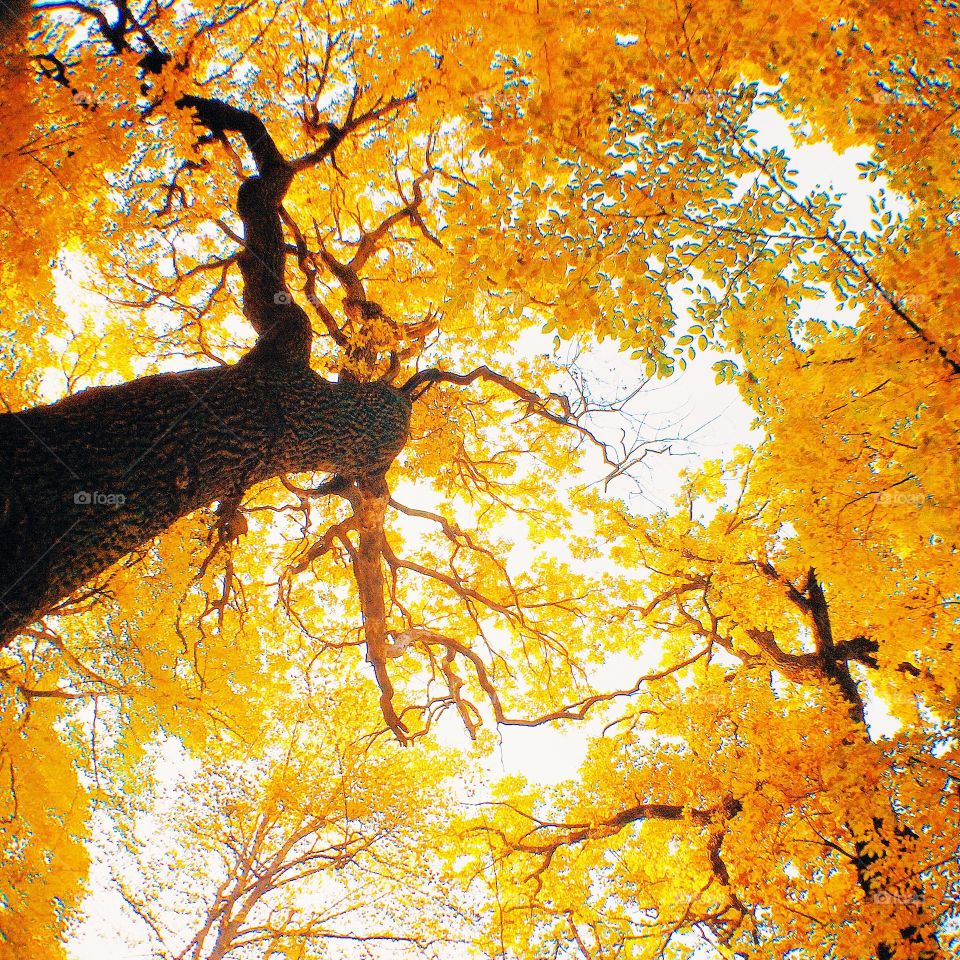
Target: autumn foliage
<point>344,282</point>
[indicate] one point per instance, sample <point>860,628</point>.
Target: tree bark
<point>86,480</point>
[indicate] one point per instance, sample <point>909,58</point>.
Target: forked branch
<point>535,405</point>
<point>281,324</point>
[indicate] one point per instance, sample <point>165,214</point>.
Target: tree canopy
<point>313,489</point>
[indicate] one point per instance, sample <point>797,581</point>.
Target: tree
<point>309,842</point>
<point>462,180</point>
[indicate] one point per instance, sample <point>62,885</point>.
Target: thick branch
<point>153,61</point>
<point>830,662</point>
<point>558,835</point>
<point>281,324</point>
<point>336,135</point>
<point>370,505</point>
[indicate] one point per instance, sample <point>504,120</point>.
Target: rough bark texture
<point>86,480</point>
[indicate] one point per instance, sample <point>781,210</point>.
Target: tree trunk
<point>86,480</point>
